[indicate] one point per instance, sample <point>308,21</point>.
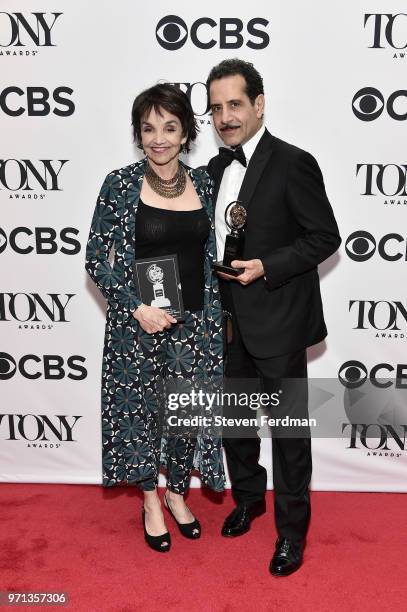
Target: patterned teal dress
<point>131,451</point>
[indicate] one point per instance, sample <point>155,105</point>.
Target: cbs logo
<point>34,101</point>
<point>172,33</point>
<point>353,374</point>
<point>361,246</point>
<point>40,240</point>
<point>51,367</point>
<point>368,104</point>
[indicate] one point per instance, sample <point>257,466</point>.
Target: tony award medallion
<point>155,275</point>
<point>235,219</point>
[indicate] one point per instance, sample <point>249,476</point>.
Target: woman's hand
<point>153,319</point>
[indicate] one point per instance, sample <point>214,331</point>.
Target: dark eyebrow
<point>227,102</point>
<point>171,122</point>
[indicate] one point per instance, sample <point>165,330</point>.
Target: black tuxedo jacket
<point>291,228</point>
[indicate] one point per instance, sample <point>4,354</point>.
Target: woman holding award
<point>151,209</point>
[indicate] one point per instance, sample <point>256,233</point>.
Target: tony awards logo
<point>155,275</point>
<point>235,219</point>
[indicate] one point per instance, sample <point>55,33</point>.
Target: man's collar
<point>250,146</point>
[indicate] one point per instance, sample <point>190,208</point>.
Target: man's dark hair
<point>171,99</point>
<point>231,67</point>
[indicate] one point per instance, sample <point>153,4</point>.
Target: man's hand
<point>153,319</point>
<point>253,270</point>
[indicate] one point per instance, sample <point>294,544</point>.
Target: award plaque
<point>235,219</point>
<point>157,282</point>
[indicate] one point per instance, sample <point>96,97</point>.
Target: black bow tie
<point>228,155</point>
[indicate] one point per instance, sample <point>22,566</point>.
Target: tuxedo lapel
<point>255,168</point>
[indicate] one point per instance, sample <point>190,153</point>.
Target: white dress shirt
<point>229,190</point>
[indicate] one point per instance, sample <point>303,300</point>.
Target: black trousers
<point>292,461</point>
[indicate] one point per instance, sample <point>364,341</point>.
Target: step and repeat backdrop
<point>335,83</point>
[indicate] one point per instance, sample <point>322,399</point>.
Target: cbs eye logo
<point>352,374</point>
<point>360,246</point>
<point>172,33</point>
<point>368,104</point>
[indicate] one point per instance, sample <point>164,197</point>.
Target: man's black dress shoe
<point>287,557</point>
<point>239,520</point>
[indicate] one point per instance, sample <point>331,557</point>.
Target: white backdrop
<point>90,62</point>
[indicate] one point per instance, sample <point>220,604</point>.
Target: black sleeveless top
<point>162,232</point>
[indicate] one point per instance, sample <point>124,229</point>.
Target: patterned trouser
<point>172,361</point>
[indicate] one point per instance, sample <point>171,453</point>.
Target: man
<point>275,303</point>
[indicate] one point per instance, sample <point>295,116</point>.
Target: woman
<point>168,212</point>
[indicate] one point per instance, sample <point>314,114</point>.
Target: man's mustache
<point>228,126</point>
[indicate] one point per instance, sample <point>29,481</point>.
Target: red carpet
<point>88,541</point>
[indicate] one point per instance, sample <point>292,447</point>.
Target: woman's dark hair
<point>231,67</point>
<point>171,99</point>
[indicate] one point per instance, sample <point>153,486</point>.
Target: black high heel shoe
<point>156,542</point>
<point>188,530</point>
